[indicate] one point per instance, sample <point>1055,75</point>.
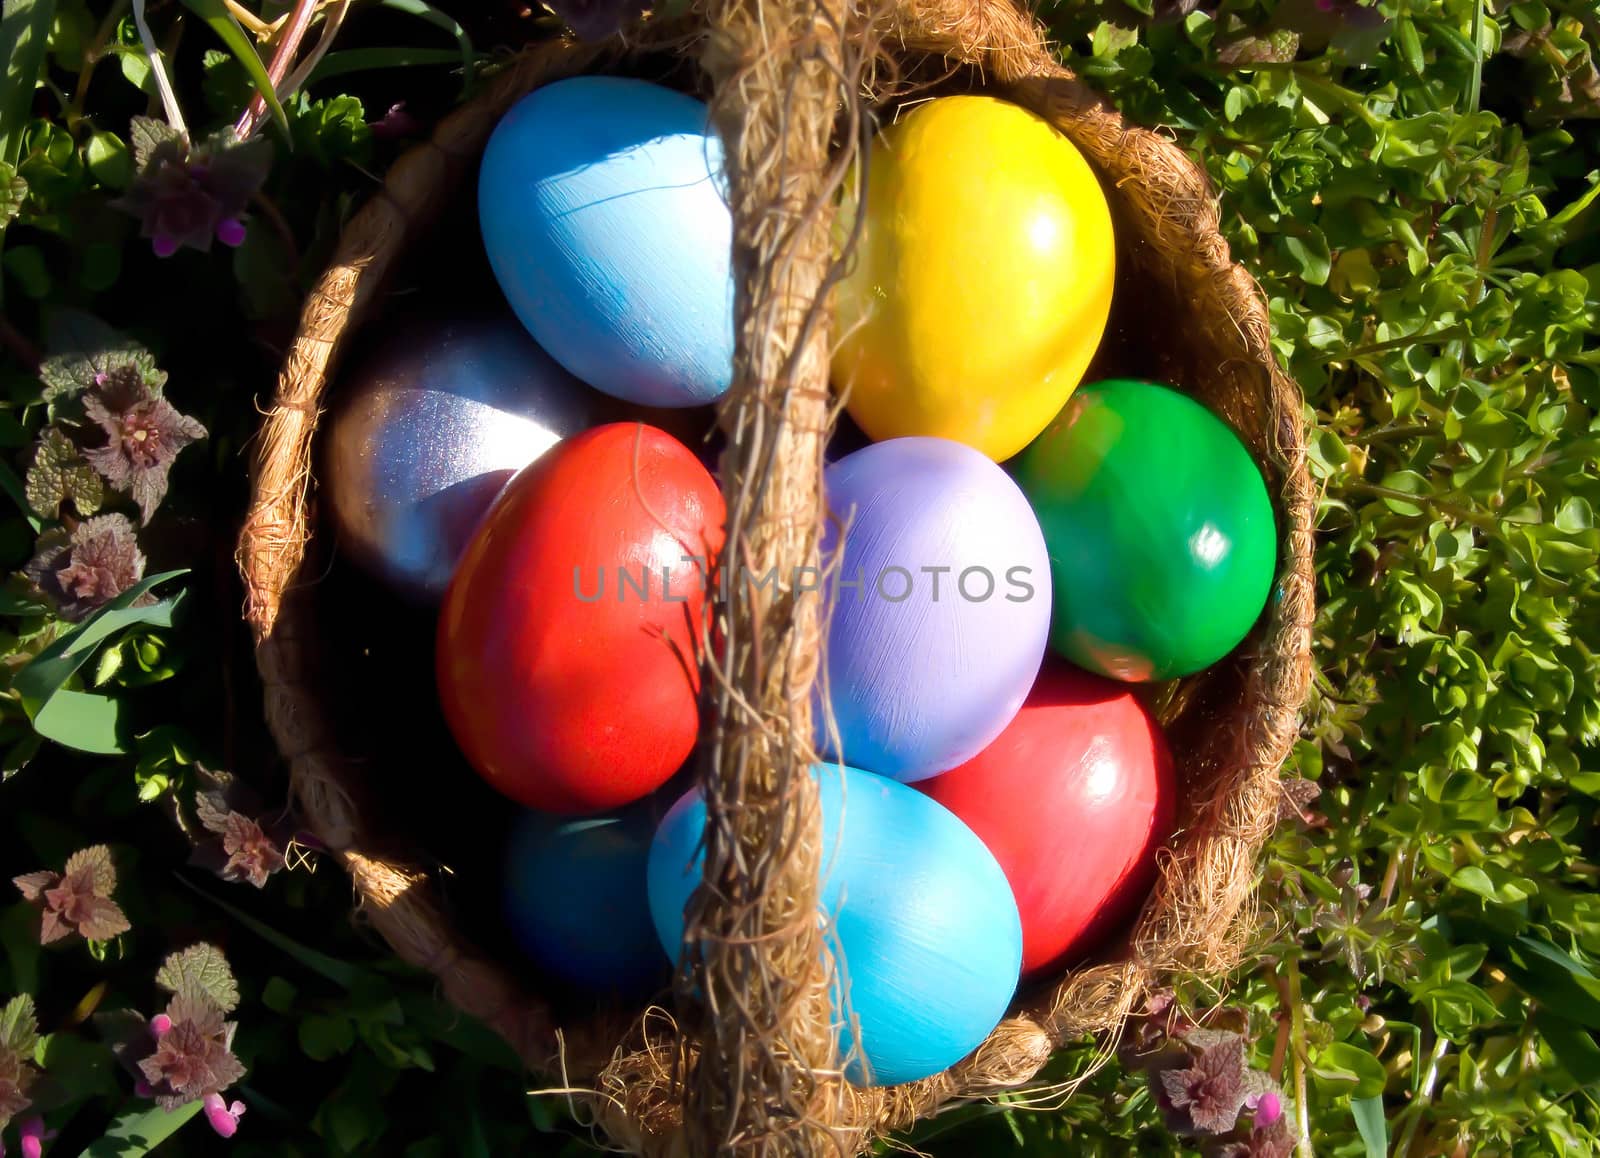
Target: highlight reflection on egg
<point>427,433</point>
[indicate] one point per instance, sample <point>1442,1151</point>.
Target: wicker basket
<point>746,1064</point>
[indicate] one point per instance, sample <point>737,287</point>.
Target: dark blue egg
<point>576,900</point>
<point>602,210</point>
<point>925,926</point>
<point>427,433</point>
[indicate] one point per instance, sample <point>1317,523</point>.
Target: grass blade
<point>1371,1125</point>
<point>141,1131</point>
<point>341,973</point>
<point>371,59</point>
<point>48,671</point>
<point>426,11</point>
<point>24,29</point>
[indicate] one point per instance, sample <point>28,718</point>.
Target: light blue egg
<point>602,205</point>
<point>922,918</point>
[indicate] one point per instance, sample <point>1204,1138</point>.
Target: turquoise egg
<point>602,209</point>
<point>924,924</point>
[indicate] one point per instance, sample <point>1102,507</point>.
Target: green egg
<point>1162,538</point>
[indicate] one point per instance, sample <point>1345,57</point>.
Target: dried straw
<point>754,974</point>
<point>750,1071</point>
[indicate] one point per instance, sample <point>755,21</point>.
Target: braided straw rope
<point>749,1070</point>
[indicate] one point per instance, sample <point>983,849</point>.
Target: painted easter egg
<point>601,206</point>
<point>576,900</point>
<point>921,915</point>
<point>940,606</point>
<point>982,282</point>
<point>568,639</point>
<point>1073,799</point>
<point>425,434</point>
<point>1162,538</point>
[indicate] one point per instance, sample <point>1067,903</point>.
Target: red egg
<point>568,640</point>
<point>1073,799</point>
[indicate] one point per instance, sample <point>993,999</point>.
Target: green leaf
<point>84,722</point>
<point>1555,979</point>
<point>1371,1124</point>
<point>279,994</point>
<point>24,36</point>
<point>466,1035</point>
<point>55,665</point>
<point>108,160</point>
<point>204,967</point>
<point>81,347</point>
<point>27,264</point>
<point>13,194</point>
<point>19,1027</point>
<point>140,1131</point>
<point>323,1037</point>
<point>1342,1068</point>
<point>1310,255</point>
<point>1573,1045</point>
<point>216,14</point>
<point>1411,46</point>
<point>1474,880</point>
<point>60,472</point>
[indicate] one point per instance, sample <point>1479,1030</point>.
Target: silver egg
<point>426,434</point>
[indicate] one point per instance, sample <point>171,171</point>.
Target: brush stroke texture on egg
<point>602,211</point>
<point>922,922</point>
<point>934,653</point>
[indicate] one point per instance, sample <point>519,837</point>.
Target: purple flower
<point>1211,1091</point>
<point>34,1136</point>
<point>395,123</point>
<point>1268,1107</point>
<point>144,434</point>
<point>241,847</point>
<point>77,900</point>
<point>597,19</point>
<point>93,564</point>
<point>224,1118</point>
<point>189,195</point>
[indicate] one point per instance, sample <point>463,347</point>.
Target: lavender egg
<point>425,436</point>
<point>940,606</point>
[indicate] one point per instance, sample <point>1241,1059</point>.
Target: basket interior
<point>429,809</point>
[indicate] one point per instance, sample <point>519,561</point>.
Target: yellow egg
<point>982,282</point>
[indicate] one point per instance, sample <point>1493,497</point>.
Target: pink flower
<point>1268,1107</point>
<point>160,1026</point>
<point>224,1118</point>
<point>34,1136</point>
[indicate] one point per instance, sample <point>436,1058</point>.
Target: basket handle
<point>754,993</point>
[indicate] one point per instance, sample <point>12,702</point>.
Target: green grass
<point>1413,185</point>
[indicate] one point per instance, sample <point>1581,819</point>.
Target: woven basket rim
<point>276,534</point>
